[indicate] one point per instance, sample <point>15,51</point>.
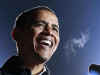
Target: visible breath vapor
<point>81,41</point>
<point>74,44</point>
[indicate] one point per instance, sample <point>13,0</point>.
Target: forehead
<point>46,15</point>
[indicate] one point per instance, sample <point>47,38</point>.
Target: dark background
<point>76,17</point>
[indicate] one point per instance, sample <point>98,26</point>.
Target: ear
<point>16,34</point>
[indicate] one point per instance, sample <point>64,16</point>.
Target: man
<point>36,33</point>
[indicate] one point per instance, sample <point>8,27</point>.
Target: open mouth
<point>45,41</point>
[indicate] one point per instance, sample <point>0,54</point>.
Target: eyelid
<point>55,25</point>
<point>56,28</point>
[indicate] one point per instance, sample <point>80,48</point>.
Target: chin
<point>41,58</point>
<point>44,59</point>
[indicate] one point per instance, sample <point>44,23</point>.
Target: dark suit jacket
<point>15,66</point>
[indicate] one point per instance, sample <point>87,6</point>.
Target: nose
<point>48,29</point>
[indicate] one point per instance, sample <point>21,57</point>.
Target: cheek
<point>34,38</point>
<point>56,35</point>
<point>36,31</point>
<point>57,39</point>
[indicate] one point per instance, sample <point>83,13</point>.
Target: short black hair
<point>26,16</point>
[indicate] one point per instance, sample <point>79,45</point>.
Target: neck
<point>35,69</point>
<point>33,65</point>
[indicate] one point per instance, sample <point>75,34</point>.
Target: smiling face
<point>44,36</point>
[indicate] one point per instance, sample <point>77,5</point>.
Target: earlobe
<point>13,33</point>
<point>16,34</point>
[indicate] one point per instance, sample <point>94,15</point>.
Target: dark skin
<point>38,43</point>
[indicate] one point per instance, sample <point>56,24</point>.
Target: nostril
<point>47,30</point>
<point>46,33</point>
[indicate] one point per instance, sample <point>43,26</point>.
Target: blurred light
<point>94,73</point>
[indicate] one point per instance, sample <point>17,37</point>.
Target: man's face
<point>45,35</point>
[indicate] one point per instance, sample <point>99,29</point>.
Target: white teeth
<point>46,42</point>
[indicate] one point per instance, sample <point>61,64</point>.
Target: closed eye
<point>55,27</point>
